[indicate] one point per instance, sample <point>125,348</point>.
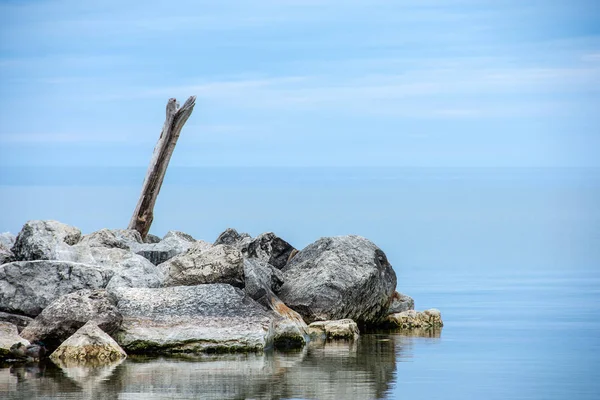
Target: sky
<point>453,83</point>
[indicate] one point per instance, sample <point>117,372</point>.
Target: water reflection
<point>365,368</point>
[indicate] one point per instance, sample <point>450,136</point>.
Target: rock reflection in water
<point>325,370</point>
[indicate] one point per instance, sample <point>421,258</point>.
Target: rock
<point>150,238</point>
<point>173,244</point>
<point>260,278</point>
<point>412,319</point>
<point>6,255</point>
<point>20,321</point>
<point>88,343</point>
<point>338,278</point>
<point>202,318</point>
<point>65,315</point>
<point>340,329</point>
<point>400,303</point>
<point>44,240</point>
<point>269,248</point>
<point>217,264</point>
<point>231,237</point>
<point>7,239</point>
<point>9,336</point>
<point>27,287</point>
<point>125,239</point>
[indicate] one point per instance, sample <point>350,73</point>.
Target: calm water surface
<point>511,257</point>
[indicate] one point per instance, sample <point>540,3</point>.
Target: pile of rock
<point>110,292</point>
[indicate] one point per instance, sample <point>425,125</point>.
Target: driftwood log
<point>176,118</point>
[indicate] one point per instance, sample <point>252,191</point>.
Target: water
<point>511,257</point>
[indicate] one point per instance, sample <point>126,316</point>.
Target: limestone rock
<point>412,319</point>
<point>269,248</point>
<point>89,343</point>
<point>27,287</point>
<point>44,240</point>
<point>338,278</point>
<point>20,321</point>
<point>400,303</point>
<point>65,315</point>
<point>173,244</point>
<point>340,329</point>
<point>202,318</point>
<point>9,336</point>
<point>216,264</point>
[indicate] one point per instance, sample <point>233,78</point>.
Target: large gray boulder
<point>205,264</point>
<point>124,239</point>
<point>27,287</point>
<point>269,248</point>
<point>338,278</point>
<point>172,244</point>
<point>44,240</point>
<point>202,318</point>
<point>261,279</point>
<point>65,315</point>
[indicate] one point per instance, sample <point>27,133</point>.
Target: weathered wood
<point>176,118</point>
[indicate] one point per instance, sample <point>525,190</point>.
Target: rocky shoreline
<point>101,296</point>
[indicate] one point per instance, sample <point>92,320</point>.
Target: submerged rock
<point>411,319</point>
<point>340,329</point>
<point>44,240</point>
<point>202,318</point>
<point>202,264</point>
<point>400,303</point>
<point>27,287</point>
<point>65,315</point>
<point>88,343</point>
<point>9,337</point>
<point>338,278</point>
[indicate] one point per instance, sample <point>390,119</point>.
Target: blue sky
<point>302,82</point>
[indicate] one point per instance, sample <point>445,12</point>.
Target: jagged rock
<point>27,287</point>
<point>173,244</point>
<point>6,255</point>
<point>412,319</point>
<point>261,277</point>
<point>44,240</point>
<point>125,239</point>
<point>7,239</point>
<point>20,321</point>
<point>88,343</point>
<point>340,329</point>
<point>400,303</point>
<point>231,237</point>
<point>338,278</point>
<point>199,265</point>
<point>202,318</point>
<point>9,336</point>
<point>65,315</point>
<point>150,238</point>
<point>269,248</point>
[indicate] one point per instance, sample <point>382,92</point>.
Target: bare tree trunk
<point>176,118</point>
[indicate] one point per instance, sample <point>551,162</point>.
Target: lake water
<point>510,256</point>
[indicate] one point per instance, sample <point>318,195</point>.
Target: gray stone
<point>400,302</point>
<point>20,321</point>
<point>269,248</point>
<point>338,278</point>
<point>340,329</point>
<point>44,240</point>
<point>125,239</point>
<point>202,318</point>
<point>411,319</point>
<point>88,343</point>
<point>7,239</point>
<point>65,315</point>
<point>231,237</point>
<point>6,255</point>
<point>150,238</point>
<point>9,336</point>
<point>261,278</point>
<point>199,265</point>
<point>27,287</point>
<point>173,244</point>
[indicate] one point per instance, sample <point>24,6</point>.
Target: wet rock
<point>65,315</point>
<point>400,303</point>
<point>44,240</point>
<point>199,265</point>
<point>412,319</point>
<point>20,321</point>
<point>340,329</point>
<point>9,336</point>
<point>231,237</point>
<point>173,244</point>
<point>88,343</point>
<point>202,318</point>
<point>269,248</point>
<point>338,278</point>
<point>124,239</point>
<point>27,287</point>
